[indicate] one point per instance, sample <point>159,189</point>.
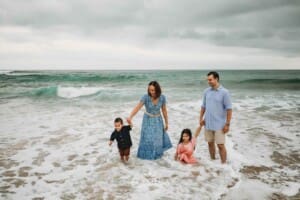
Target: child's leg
<point>121,151</point>
<point>126,153</point>
<point>184,158</point>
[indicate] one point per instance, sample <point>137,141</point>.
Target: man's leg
<point>220,140</point>
<point>212,150</point>
<point>223,153</point>
<point>210,138</point>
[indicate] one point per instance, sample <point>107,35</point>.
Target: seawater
<point>55,127</point>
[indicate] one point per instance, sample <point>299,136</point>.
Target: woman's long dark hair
<point>185,131</point>
<point>157,88</point>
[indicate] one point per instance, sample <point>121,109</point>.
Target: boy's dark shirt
<point>123,137</point>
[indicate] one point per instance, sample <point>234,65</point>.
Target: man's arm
<point>228,119</point>
<point>202,111</point>
<point>201,121</point>
<point>229,115</point>
<point>228,106</point>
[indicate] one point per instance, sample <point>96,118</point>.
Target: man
<point>215,115</point>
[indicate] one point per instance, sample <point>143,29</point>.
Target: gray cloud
<point>271,25</point>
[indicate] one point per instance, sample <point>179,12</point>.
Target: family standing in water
<point>215,117</point>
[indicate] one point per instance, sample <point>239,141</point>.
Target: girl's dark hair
<point>157,88</point>
<point>185,131</point>
<point>215,75</point>
<point>117,120</point>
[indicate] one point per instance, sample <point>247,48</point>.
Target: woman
<point>154,139</point>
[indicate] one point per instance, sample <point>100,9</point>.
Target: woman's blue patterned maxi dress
<point>154,140</point>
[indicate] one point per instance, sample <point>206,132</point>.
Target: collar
<point>219,88</point>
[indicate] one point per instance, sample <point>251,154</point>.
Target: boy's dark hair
<point>118,119</point>
<point>215,74</point>
<point>185,131</point>
<point>157,88</point>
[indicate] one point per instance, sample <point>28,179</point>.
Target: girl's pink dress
<point>185,152</point>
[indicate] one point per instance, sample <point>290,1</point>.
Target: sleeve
<point>163,99</point>
<point>204,100</point>
<point>144,98</point>
<point>128,128</point>
<point>112,136</point>
<point>227,101</point>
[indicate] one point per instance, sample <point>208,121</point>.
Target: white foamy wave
<point>20,73</point>
<point>73,92</point>
<point>5,71</point>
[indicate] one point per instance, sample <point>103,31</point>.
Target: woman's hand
<point>129,120</point>
<point>166,127</point>
<point>165,114</point>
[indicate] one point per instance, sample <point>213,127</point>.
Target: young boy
<point>122,135</point>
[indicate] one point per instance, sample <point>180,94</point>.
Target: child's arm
<point>198,130</point>
<point>176,157</point>
<point>112,138</point>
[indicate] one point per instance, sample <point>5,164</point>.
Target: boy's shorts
<point>217,136</point>
<point>124,152</point>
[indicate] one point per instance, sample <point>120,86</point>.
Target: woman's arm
<point>134,111</point>
<point>130,123</point>
<point>165,114</point>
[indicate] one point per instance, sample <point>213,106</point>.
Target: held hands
<point>128,119</point>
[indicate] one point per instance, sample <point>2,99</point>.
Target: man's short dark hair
<point>117,120</point>
<point>215,74</point>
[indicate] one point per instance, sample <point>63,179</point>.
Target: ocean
<point>55,127</point>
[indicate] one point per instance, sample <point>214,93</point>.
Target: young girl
<point>186,146</point>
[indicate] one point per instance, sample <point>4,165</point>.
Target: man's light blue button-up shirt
<point>216,103</point>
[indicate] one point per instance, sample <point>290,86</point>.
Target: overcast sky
<point>136,34</point>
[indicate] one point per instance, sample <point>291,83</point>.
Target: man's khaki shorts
<point>215,136</point>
